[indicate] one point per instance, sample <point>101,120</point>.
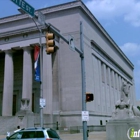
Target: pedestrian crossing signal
<point>89,97</point>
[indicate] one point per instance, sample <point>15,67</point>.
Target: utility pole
<point>83,81</point>
<point>81,53</point>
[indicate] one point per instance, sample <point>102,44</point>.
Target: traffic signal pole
<point>83,81</point>
<point>81,53</point>
<point>52,29</point>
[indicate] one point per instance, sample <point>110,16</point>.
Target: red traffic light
<point>89,97</point>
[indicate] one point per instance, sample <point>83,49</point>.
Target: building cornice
<point>47,10</point>
<point>100,27</point>
<point>66,6</point>
<point>21,31</point>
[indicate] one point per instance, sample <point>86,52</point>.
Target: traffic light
<point>50,43</point>
<point>89,97</point>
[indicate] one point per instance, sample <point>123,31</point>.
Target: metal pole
<point>41,78</point>
<point>83,82</point>
<point>41,72</point>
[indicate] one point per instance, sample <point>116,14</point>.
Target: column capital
<point>9,51</point>
<point>28,48</point>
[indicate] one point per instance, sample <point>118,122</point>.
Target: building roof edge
<point>66,6</point>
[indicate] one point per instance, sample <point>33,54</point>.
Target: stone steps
<point>7,124</point>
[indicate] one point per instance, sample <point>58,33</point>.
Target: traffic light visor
<point>50,36</point>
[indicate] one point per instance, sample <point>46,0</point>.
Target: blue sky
<point>120,18</point>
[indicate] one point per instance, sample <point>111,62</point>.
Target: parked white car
<point>34,133</point>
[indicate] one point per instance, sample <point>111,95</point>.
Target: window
<point>112,82</point>
<point>17,135</point>
<point>52,134</point>
<point>14,105</point>
<point>107,75</point>
<point>102,70</point>
<point>32,134</point>
<point>115,79</point>
<point>26,135</point>
<point>119,82</point>
<point>33,97</point>
<point>101,123</point>
<point>39,134</point>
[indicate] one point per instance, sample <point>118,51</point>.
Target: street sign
<point>85,116</point>
<point>42,102</point>
<point>41,18</point>
<point>25,6</point>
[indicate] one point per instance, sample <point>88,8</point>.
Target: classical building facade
<point>106,67</point>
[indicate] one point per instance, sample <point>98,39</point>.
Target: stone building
<point>106,67</point>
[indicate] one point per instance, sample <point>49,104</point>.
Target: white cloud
<point>131,49</point>
<point>133,15</point>
<point>129,10</point>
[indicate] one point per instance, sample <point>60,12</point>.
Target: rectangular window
<point>33,102</point>
<point>39,134</point>
<point>107,75</point>
<point>14,104</point>
<point>1,103</point>
<point>119,82</point>
<point>115,79</point>
<point>52,134</point>
<point>26,135</point>
<point>102,70</point>
<point>112,78</point>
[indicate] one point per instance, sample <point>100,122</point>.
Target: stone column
<point>7,103</point>
<point>27,80</point>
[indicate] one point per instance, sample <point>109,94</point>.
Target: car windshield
<point>52,134</point>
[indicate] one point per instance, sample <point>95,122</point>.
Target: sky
<point>120,18</point>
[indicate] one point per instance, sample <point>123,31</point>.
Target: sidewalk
<point>78,136</point>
